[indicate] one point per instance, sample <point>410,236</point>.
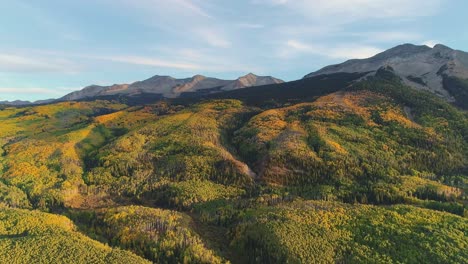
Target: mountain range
<point>439,70</point>
<point>170,87</point>
<point>21,102</point>
<point>165,86</point>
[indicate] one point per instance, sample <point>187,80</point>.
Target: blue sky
<point>51,47</point>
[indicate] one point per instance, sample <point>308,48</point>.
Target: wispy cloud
<point>286,38</point>
<point>353,52</point>
<point>250,25</point>
<point>166,7</point>
<point>136,60</point>
<point>300,47</point>
<point>60,61</point>
<point>307,30</point>
<point>47,22</point>
<point>349,10</point>
<point>36,90</point>
<point>207,63</point>
<point>189,60</point>
<point>293,48</point>
<point>196,62</point>
<point>430,43</point>
<point>28,63</point>
<point>184,20</point>
<point>209,59</point>
<point>387,36</point>
<point>213,38</point>
<point>188,4</point>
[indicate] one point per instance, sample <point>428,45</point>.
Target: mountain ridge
<point>170,87</point>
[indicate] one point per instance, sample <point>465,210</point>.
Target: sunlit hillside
<point>36,237</point>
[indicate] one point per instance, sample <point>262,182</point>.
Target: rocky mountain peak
<point>403,50</point>
<point>419,66</point>
<point>251,79</point>
<point>250,75</point>
<point>198,77</point>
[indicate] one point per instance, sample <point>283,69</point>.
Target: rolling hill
<point>32,236</point>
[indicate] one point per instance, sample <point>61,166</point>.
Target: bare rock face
<point>170,87</point>
<point>420,67</point>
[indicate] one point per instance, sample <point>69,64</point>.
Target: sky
<point>51,47</point>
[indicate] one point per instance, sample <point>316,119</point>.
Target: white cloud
<point>206,63</point>
<point>188,60</point>
<point>36,90</point>
<point>127,59</point>
<point>184,20</point>
<point>136,60</point>
<point>188,4</point>
<point>209,60</point>
<point>293,48</point>
<point>309,30</point>
<point>388,36</point>
<point>430,43</point>
<point>212,38</point>
<point>189,53</point>
<point>195,61</point>
<point>28,63</point>
<point>166,7</point>
<point>299,46</point>
<point>353,52</point>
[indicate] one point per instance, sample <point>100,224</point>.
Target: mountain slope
<point>35,237</point>
<point>327,232</point>
<point>273,95</point>
<point>431,69</point>
<point>361,138</point>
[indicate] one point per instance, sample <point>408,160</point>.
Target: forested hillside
<point>36,237</point>
<point>365,171</point>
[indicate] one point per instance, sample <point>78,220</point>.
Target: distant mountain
<point>16,102</point>
<point>250,80</point>
<point>440,70</point>
<point>23,103</point>
<point>170,87</point>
